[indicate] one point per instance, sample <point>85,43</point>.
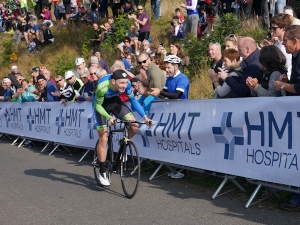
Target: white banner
<point>250,137</point>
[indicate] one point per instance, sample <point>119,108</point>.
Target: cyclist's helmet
<point>172,59</point>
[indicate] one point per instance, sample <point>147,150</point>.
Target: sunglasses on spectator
<point>274,28</point>
<point>93,73</point>
<point>69,78</point>
<point>139,9</point>
<point>144,61</point>
<point>83,77</point>
<point>233,36</point>
<point>58,81</point>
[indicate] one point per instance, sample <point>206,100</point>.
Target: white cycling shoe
<point>104,179</point>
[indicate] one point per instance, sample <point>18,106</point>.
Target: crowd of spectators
<point>243,69</point>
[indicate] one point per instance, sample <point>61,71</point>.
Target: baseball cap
<point>35,69</point>
<point>119,74</point>
<point>94,59</point>
<point>69,74</point>
<point>79,61</point>
<point>6,80</point>
<point>14,67</point>
<point>40,77</point>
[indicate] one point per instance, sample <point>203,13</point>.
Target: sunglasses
<point>93,73</point>
<point>144,61</point>
<point>139,9</point>
<point>58,81</point>
<point>274,28</point>
<point>69,78</point>
<point>83,77</point>
<point>233,36</point>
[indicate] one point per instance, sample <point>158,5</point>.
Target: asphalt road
<point>37,189</point>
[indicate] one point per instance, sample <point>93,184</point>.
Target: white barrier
<point>249,137</point>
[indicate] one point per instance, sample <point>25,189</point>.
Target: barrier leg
<point>220,188</point>
<point>237,185</point>
<point>253,196</point>
<point>21,143</point>
<point>272,192</point>
<point>84,155</point>
<point>156,171</point>
<point>15,141</point>
<point>48,143</point>
<point>1,135</point>
<point>54,149</point>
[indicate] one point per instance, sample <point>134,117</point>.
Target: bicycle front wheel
<point>130,170</point>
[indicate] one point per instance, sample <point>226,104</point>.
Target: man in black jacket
<point>48,37</point>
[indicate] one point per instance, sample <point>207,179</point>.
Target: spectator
<point>59,12</point>
<point>231,41</point>
<point>214,52</point>
<point>133,35</point>
<point>202,23</point>
<point>94,62</point>
<point>289,10</point>
<point>35,71</point>
<point>47,34</point>
<point>13,76</point>
<point>96,40</point>
<point>235,6</point>
<point>19,33</point>
<point>278,25</point>
<point>273,62</point>
<point>47,75</point>
<point>74,85</point>
<point>191,21</point>
<point>280,4</point>
<point>291,41</point>
<point>176,87</point>
<point>103,9</point>
<point>86,91</point>
<point>210,15</point>
<point>46,88</point>
<point>251,66</point>
<point>155,5</point>
<point>231,63</point>
<point>125,44</point>
<point>126,8</point>
<point>80,64</point>
<point>160,63</point>
<point>67,6</point>
<point>46,14</point>
<point>143,22</point>
<point>107,31</point>
<point>102,62</point>
<point>135,85</point>
<point>177,29</point>
<point>152,70</point>
<point>15,7</point>
<point>64,89</point>
<point>145,47</point>
<point>28,92</point>
<point>8,90</point>
<point>145,98</point>
<point>179,15</point>
<point>97,73</point>
<point>32,29</point>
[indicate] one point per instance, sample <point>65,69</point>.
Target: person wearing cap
<point>48,88</point>
<point>106,101</point>
<point>80,64</point>
<point>13,76</point>
<point>73,87</point>
<point>103,64</point>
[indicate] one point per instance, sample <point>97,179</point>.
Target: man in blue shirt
<point>177,84</point>
<point>32,29</point>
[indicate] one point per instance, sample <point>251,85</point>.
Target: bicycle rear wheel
<point>130,170</point>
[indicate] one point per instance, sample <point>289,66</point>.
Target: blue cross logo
<point>30,119</point>
<point>228,135</point>
<point>60,121</point>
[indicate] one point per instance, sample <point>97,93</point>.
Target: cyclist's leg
<point>100,123</point>
<point>133,128</point>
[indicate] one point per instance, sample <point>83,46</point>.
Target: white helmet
<point>172,59</point>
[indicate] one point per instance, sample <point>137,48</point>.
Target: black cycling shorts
<point>143,36</point>
<point>113,106</point>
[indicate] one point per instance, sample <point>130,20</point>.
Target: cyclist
<point>105,101</point>
<point>177,84</point>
